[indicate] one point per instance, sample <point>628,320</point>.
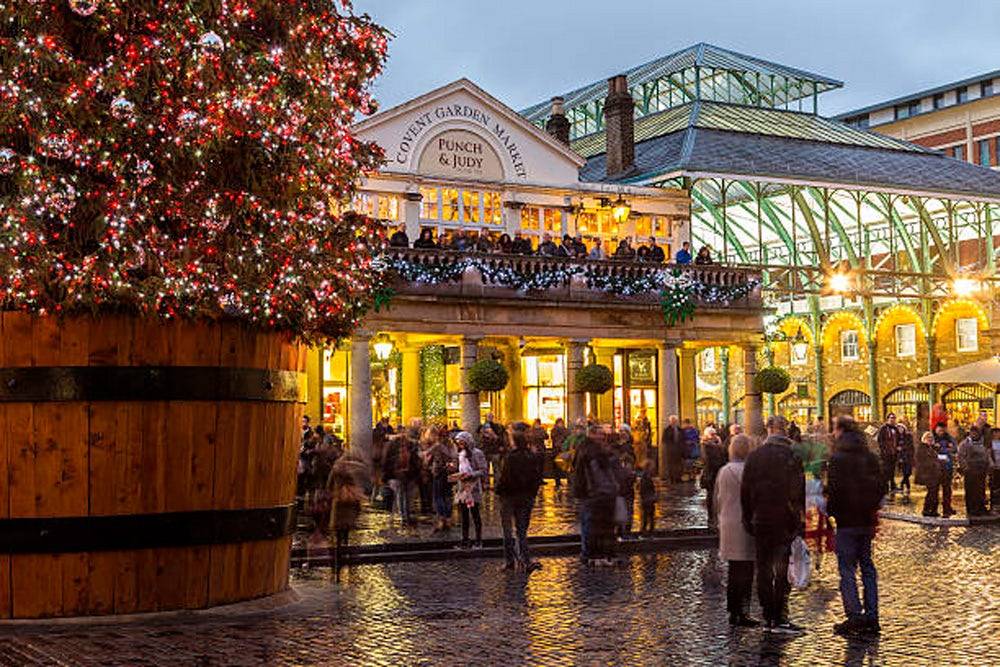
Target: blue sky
<point>523,51</point>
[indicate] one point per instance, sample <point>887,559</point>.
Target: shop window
<point>906,340</point>
<point>335,387</point>
<point>544,387</point>
<point>429,205</point>
<point>967,334</point>
<point>849,345</point>
<point>707,358</point>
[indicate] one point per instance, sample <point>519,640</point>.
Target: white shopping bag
<point>799,564</point>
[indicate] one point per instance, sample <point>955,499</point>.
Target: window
<point>862,123</point>
<point>967,334</point>
<point>906,340</point>
<point>849,345</point>
<point>939,101</point>
<point>449,204</point>
<point>708,360</point>
<point>529,217</point>
<point>984,152</point>
<point>962,95</point>
<point>429,203</point>
<point>470,206</point>
<point>544,387</point>
<point>902,111</point>
<point>957,152</point>
<point>914,108</point>
<point>986,89</point>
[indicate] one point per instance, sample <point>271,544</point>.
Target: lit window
<point>449,204</point>
<point>552,220</point>
<point>984,152</point>
<point>429,203</point>
<point>388,208</point>
<point>906,340</point>
<point>492,208</point>
<point>849,345</point>
<point>470,206</point>
<point>967,334</point>
<point>529,217</point>
<point>708,360</point>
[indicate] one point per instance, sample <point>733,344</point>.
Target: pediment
<point>461,132</point>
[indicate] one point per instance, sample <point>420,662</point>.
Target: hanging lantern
<point>383,347</point>
<point>621,210</point>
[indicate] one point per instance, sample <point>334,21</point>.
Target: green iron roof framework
<point>700,72</point>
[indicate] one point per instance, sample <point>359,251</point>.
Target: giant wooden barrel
<point>146,466</point>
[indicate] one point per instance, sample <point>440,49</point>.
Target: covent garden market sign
<point>455,152</point>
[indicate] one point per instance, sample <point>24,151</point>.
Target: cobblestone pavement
<point>940,597</point>
<point>679,506</point>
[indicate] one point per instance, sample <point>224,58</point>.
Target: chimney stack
<point>558,125</point>
<point>619,127</point>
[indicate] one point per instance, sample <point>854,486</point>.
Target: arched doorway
<point>963,402</point>
<point>853,403</point>
<point>911,404</point>
<point>709,412</point>
<point>800,409</point>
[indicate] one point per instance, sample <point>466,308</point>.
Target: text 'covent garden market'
<point>854,260</point>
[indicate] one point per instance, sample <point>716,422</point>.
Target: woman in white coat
<point>735,543</point>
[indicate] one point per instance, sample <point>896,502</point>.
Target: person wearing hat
<point>472,470</point>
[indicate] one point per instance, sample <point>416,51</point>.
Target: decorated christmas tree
<point>186,158</point>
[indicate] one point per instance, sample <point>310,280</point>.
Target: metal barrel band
<point>150,383</point>
<point>144,531</point>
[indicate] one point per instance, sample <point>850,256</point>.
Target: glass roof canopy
<point>699,72</point>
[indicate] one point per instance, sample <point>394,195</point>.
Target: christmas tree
<point>186,158</point>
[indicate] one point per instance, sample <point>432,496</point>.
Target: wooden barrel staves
<point>149,466</point>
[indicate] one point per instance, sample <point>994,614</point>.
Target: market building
<point>876,256</point>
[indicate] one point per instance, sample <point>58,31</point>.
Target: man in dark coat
<point>888,438</point>
<point>855,489</point>
<point>519,479</point>
<point>773,498</point>
<point>672,445</point>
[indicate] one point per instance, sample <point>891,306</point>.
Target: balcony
<point>470,275</point>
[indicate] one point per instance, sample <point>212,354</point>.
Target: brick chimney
<point>619,126</point>
<point>558,125</point>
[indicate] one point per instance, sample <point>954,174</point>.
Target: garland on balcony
<point>682,292</point>
<point>510,276</point>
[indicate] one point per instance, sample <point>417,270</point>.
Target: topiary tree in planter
<point>594,379</point>
<point>168,176</point>
<point>487,375</point>
<point>771,380</point>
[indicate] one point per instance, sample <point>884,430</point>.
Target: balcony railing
<point>493,275</point>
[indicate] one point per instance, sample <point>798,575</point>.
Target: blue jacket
<point>683,256</point>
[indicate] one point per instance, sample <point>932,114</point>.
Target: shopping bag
<point>799,564</point>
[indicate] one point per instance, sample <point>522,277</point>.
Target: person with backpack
<point>974,462</point>
<point>856,487</point>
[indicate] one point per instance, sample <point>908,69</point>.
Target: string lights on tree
<point>183,159</point>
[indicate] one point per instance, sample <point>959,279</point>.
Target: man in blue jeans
<point>519,479</point>
<point>855,490</point>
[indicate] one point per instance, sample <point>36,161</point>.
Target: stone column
<point>360,437</point>
<point>410,405</point>
<point>726,399</point>
<point>687,384</point>
<point>873,379</point>
<point>575,402</point>
<point>771,403</point>
<point>604,404</point>
<point>469,398</point>
<point>933,366</point>
<point>514,398</point>
<point>667,403</point>
<point>820,384</point>
<point>752,406</point>
<point>411,214</point>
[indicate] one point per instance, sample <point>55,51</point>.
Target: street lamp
<point>965,287</point>
<point>382,347</point>
<point>800,348</point>
<point>621,210</point>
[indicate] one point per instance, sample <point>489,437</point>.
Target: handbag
<point>621,511</point>
<point>799,564</point>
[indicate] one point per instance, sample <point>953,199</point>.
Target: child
<point>647,499</point>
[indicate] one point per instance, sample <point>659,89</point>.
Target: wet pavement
<point>679,506</point>
<point>940,595</point>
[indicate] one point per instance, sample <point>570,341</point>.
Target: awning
<point>985,371</point>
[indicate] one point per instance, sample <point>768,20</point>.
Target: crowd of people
<point>761,495</point>
<point>484,241</point>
